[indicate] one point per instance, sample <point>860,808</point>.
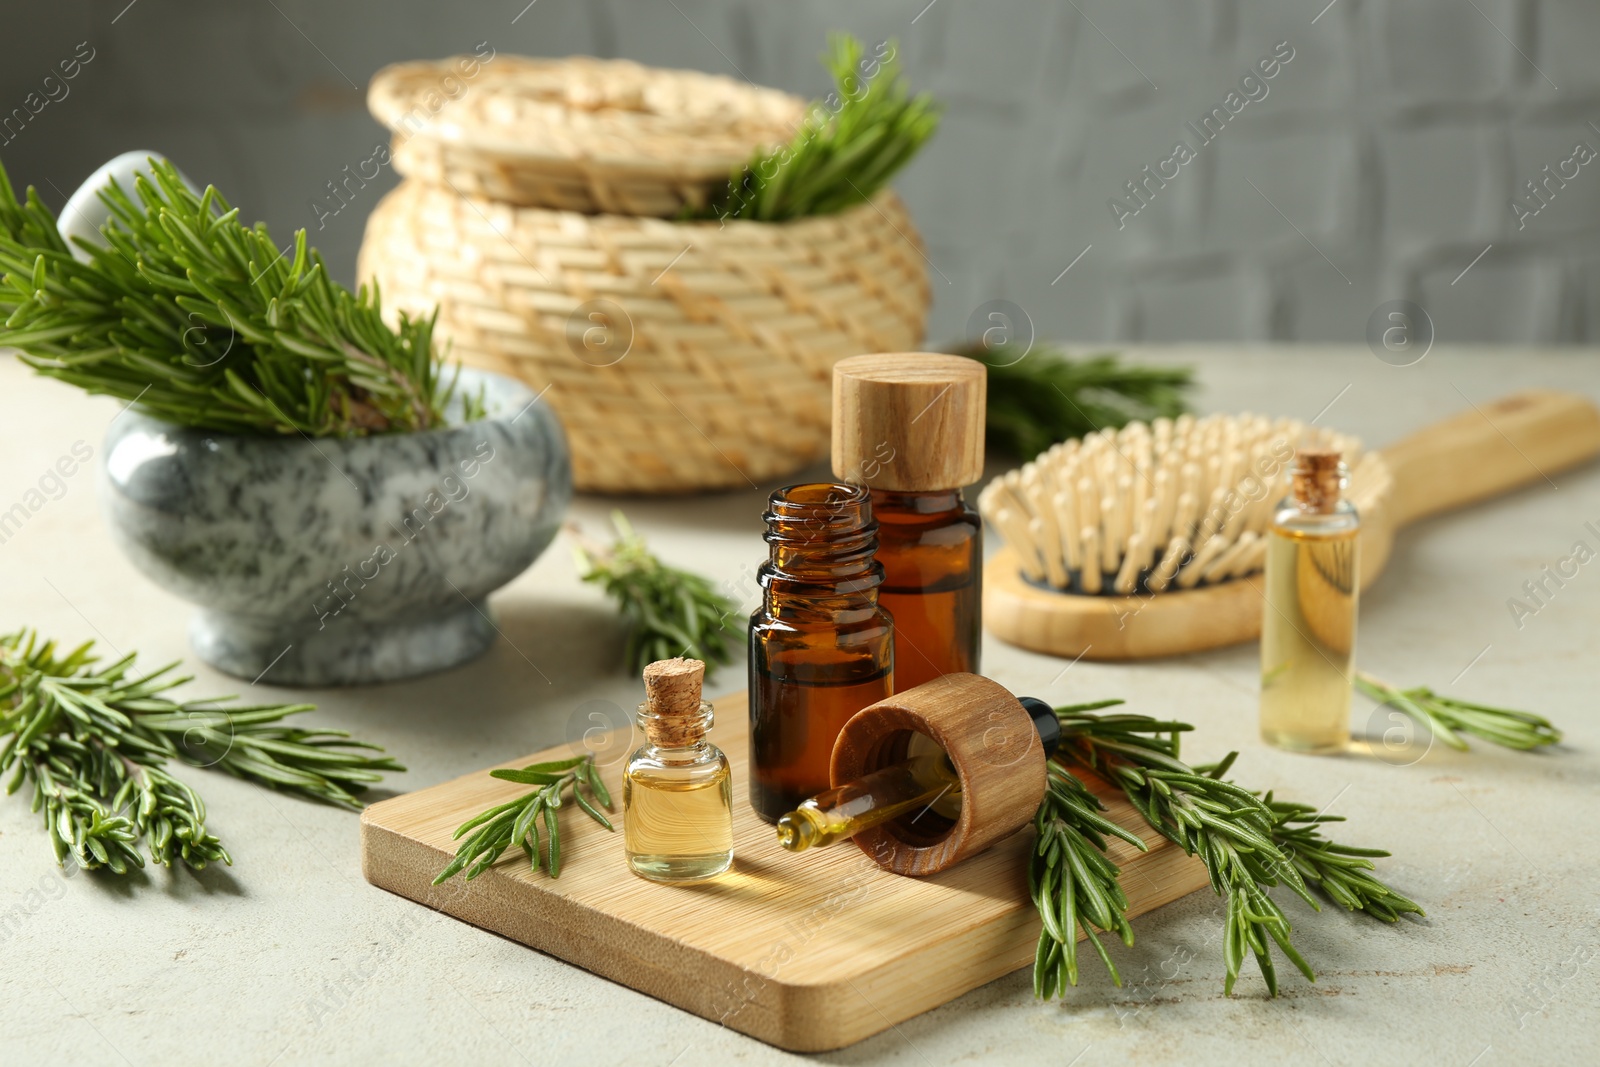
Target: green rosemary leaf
<point>1247,842</point>
<point>552,827</point>
<point>517,821</point>
<point>577,794</point>
<point>1447,718</point>
<point>294,352</point>
<point>1334,870</point>
<point>673,612</point>
<point>95,742</point>
<point>1228,828</point>
<point>846,149</point>
<point>1070,890</point>
<point>483,817</point>
<point>527,777</point>
<point>592,774</point>
<point>1046,396</point>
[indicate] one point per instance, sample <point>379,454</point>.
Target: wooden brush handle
<point>1490,449</point>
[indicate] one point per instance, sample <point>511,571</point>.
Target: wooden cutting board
<point>808,952</point>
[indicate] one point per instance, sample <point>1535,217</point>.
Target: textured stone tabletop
<point>290,957</point>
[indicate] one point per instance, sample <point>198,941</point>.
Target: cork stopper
<point>1318,479</point>
<point>671,713</point>
<point>909,421</point>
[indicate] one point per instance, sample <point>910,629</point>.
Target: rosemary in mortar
<point>671,612</point>
<point>517,821</point>
<point>95,744</point>
<point>1447,718</point>
<point>209,323</point>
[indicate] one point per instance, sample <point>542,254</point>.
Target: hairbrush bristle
<point>1154,506</point>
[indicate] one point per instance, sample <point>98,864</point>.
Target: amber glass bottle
<point>931,548</point>
<point>821,648</point>
<point>910,427</point>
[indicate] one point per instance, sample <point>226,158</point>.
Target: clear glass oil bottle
<point>931,548</point>
<point>821,647</point>
<point>677,790</point>
<point>1308,633</point>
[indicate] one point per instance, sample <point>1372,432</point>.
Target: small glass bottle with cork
<point>1308,633</point>
<point>677,789</point>
<point>909,426</point>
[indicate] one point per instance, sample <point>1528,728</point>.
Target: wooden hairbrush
<point>1170,517</point>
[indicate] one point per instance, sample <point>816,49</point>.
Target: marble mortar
<point>335,561</point>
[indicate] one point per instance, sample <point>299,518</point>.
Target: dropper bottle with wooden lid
<point>909,426</point>
<point>677,789</point>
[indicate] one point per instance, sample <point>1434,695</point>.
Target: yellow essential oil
<point>1309,629</point>
<point>925,788</point>
<point>679,825</point>
<point>677,789</point>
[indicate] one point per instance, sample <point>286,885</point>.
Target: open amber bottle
<point>909,426</point>
<point>821,647</point>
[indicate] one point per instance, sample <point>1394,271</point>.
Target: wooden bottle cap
<point>672,715</point>
<point>993,744</point>
<point>909,421</point>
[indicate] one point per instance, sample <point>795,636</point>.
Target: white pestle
<point>85,213</point>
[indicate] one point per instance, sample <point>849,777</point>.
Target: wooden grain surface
<point>807,952</point>
<point>909,421</point>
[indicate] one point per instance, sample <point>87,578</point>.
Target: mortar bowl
<point>337,561</point>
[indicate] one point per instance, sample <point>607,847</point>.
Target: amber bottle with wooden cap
<point>909,426</point>
<point>677,789</point>
<point>821,648</point>
<point>1308,632</point>
<point>961,737</point>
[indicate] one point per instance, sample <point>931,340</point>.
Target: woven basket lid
<point>523,123</point>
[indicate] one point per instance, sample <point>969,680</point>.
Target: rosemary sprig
<point>95,743</point>
<point>1447,718</point>
<point>1229,828</point>
<point>1046,396</point>
<point>209,323</point>
<point>1072,882</point>
<point>672,612</point>
<point>1338,872</point>
<point>849,145</point>
<point>517,821</point>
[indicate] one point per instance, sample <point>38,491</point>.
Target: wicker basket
<point>680,355</point>
<point>724,337</point>
<point>577,134</point>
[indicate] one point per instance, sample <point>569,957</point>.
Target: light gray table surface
<point>290,957</point>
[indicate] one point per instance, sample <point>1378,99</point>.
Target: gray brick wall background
<point>1381,163</point>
